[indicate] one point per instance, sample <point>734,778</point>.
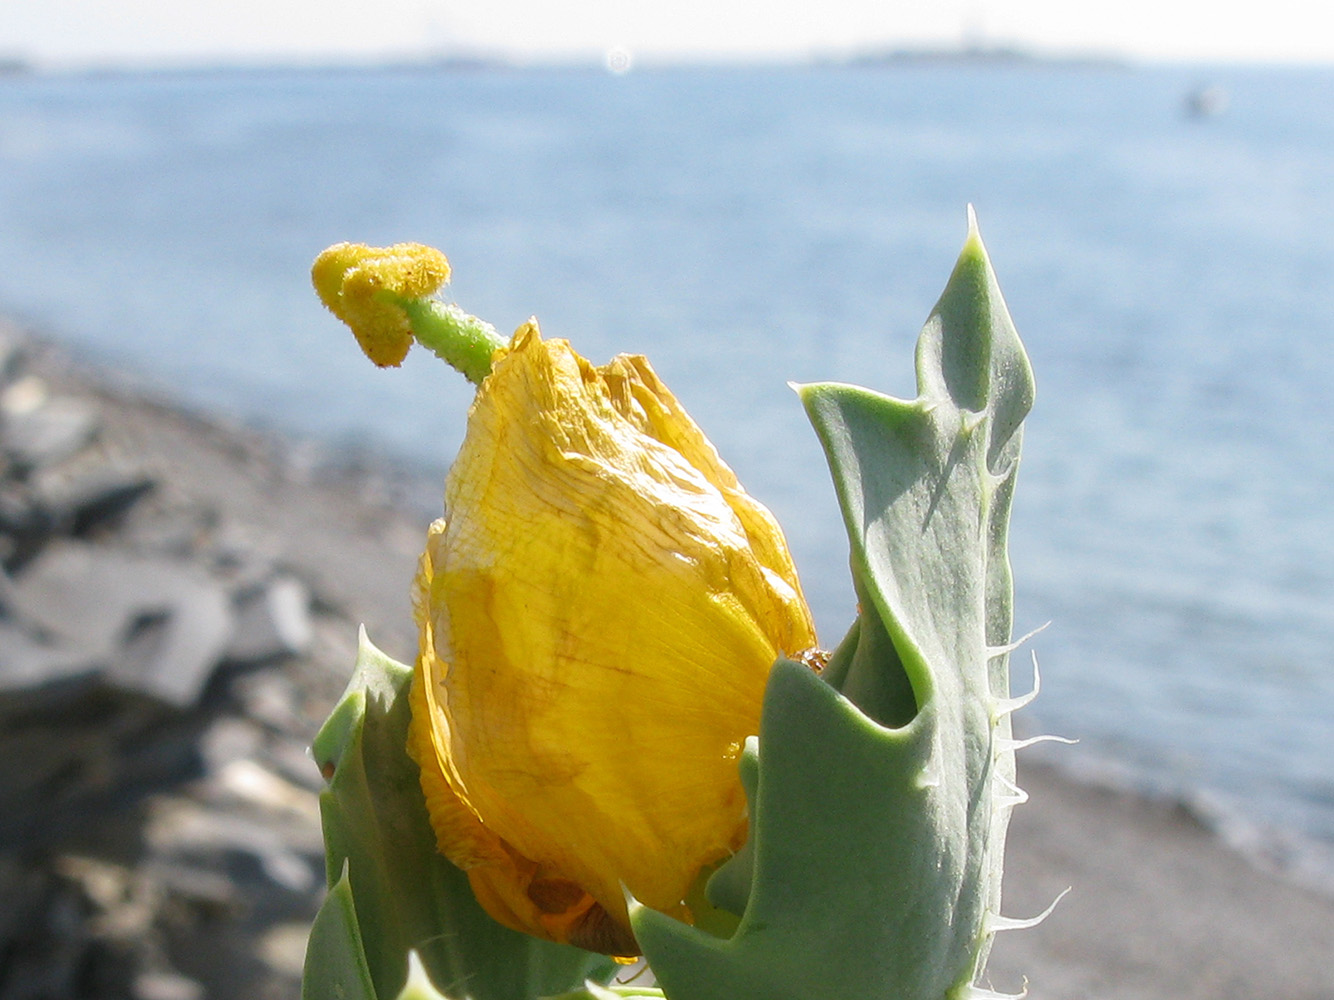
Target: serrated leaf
<point>879,814</point>
<point>404,895</point>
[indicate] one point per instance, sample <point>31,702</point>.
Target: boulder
<point>159,625</point>
<point>37,433</point>
<point>272,620</point>
<point>95,499</point>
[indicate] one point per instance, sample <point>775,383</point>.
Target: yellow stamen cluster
<point>365,287</point>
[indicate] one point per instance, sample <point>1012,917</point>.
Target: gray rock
<point>6,597</point>
<point>181,530</point>
<point>268,697</point>
<point>37,438</point>
<point>292,759</point>
<point>205,891</point>
<point>82,754</point>
<point>160,625</point>
<point>227,739</point>
<point>81,928</point>
<point>165,985</point>
<point>272,620</point>
<point>45,958</point>
<point>94,499</point>
<point>19,887</point>
<point>252,851</point>
<point>24,524</point>
<point>156,843</point>
<point>31,667</point>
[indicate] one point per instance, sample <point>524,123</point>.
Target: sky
<point>171,32</point>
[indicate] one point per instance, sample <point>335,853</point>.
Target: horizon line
<point>621,59</point>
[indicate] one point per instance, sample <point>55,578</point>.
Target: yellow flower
<point>599,610</point>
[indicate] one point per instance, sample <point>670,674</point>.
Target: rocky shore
<point>179,606</point>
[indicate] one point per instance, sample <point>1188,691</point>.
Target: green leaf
<point>391,892</point>
<point>335,959</point>
<point>882,799</point>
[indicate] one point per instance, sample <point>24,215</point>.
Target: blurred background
<point>751,199</point>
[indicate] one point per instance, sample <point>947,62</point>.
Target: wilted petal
<point>600,609</point>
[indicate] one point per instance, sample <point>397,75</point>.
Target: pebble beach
<point>175,852</point>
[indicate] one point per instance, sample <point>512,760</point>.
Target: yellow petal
<point>599,610</point>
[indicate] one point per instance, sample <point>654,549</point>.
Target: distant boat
<point>1206,101</point>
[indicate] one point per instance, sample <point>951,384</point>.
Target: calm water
<point>1172,279</point>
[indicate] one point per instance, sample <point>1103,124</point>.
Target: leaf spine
<point>995,923</point>
<point>994,651</point>
<point>1004,706</point>
<point>1016,797</point>
<point>1003,744</point>
<point>979,993</point>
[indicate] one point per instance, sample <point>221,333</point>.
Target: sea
<point>1164,237</point>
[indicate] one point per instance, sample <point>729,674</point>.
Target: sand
<point>1159,908</point>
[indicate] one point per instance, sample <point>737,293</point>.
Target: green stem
<point>465,342</point>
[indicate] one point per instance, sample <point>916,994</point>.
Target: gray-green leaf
<point>879,812</point>
<point>391,892</point>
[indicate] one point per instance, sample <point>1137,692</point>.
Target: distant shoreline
<point>978,55</point>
